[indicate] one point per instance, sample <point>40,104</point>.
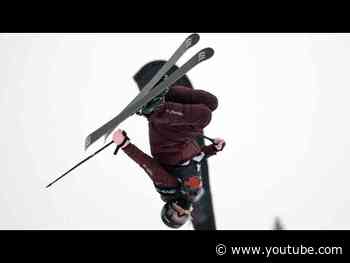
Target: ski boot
<point>153,105</point>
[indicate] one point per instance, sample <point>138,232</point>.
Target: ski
<point>187,44</point>
<point>143,98</point>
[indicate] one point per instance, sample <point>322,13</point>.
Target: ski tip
<point>192,40</point>
<point>205,54</point>
<point>209,52</point>
<point>48,185</point>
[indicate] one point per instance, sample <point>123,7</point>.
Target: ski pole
<point>206,137</point>
<point>83,161</point>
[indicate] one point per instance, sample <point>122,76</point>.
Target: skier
<point>176,118</point>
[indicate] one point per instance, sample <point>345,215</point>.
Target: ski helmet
<point>174,215</point>
<point>147,72</point>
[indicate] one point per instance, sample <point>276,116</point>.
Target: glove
<point>121,139</point>
<point>219,144</point>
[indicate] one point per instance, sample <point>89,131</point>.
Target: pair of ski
<point>148,93</point>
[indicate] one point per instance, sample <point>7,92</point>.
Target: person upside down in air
<point>176,119</point>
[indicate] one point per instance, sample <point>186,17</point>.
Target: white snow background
<point>284,112</point>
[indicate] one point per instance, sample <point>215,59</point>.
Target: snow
<point>284,107</point>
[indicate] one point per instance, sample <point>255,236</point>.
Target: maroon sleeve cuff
<point>209,150</point>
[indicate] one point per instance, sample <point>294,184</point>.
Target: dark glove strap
<point>213,141</point>
<point>122,144</point>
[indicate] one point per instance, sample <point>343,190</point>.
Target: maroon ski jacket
<point>173,132</point>
<point>175,126</point>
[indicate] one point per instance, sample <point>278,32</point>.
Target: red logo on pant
<point>193,182</point>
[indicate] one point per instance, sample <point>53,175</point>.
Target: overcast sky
<point>283,110</point>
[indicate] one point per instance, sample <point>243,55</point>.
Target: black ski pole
<point>206,137</point>
<point>83,161</point>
